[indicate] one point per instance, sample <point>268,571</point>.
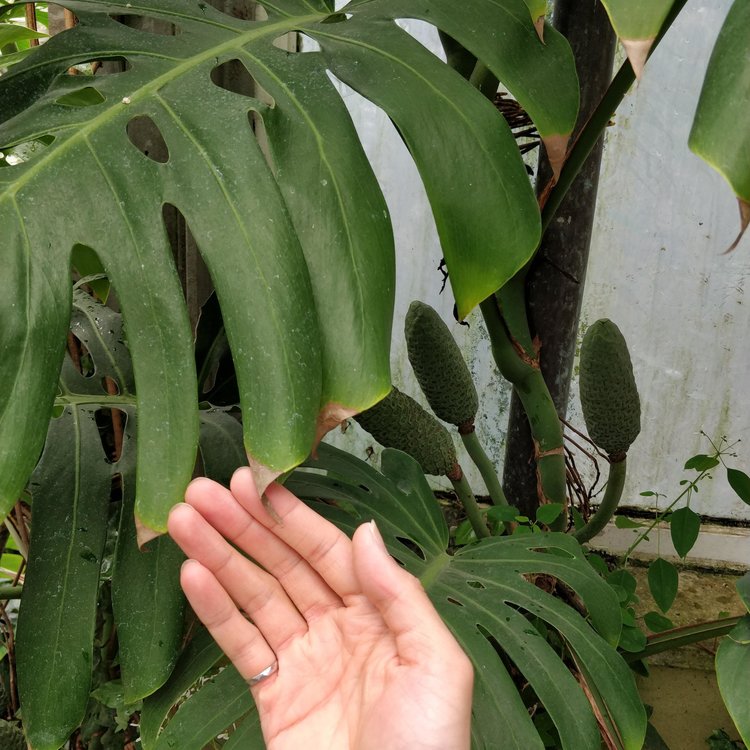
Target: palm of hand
<point>364,660</point>
<point>345,684</point>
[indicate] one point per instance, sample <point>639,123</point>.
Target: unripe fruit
<point>609,395</point>
<point>398,421</point>
<point>439,366</point>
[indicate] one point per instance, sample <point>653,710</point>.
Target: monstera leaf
<point>725,97</point>
<point>297,239</point>
<point>71,491</point>
<point>487,595</point>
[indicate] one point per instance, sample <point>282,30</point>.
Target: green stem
<point>486,469</point>
<point>466,496</point>
<point>608,506</point>
<point>660,516</point>
<point>595,126</point>
<point>684,636</point>
<point>546,429</point>
<point>10,592</point>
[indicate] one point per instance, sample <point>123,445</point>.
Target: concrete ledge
<point>719,547</point>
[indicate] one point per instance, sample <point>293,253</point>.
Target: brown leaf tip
<point>744,223</point>
<point>330,417</point>
<point>557,151</point>
<point>144,534</point>
<point>539,26</point>
<point>637,51</point>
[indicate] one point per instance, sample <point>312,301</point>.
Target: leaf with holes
<point>486,594</point>
<point>71,490</point>
<point>55,634</point>
<point>296,236</point>
<point>725,98</point>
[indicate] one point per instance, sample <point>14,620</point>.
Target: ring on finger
<point>264,675</point>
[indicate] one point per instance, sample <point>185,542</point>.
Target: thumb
<point>402,602</point>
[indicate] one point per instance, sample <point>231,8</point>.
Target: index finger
<point>326,548</point>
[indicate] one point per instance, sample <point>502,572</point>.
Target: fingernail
<point>187,562</point>
<point>375,531</point>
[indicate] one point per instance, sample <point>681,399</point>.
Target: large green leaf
<point>147,600</point>
<point>725,98</point>
<point>70,490</point>
<point>486,595</point>
<point>294,249</point>
<point>637,23</point>
<point>732,669</point>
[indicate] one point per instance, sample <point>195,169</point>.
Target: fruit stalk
<point>608,506</point>
<point>482,461</point>
<point>466,496</point>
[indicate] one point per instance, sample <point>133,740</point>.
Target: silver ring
<point>265,674</point>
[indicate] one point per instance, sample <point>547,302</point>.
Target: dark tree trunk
<point>554,285</point>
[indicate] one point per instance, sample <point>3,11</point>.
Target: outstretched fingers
<point>254,591</point>
<point>309,592</point>
<point>326,549</point>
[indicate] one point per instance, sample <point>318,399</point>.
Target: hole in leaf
<point>233,76</point>
<point>365,488</point>
<point>88,269</point>
<point>451,600</point>
<point>110,387</point>
<point>287,42</point>
<point>411,546</point>
<point>244,11</point>
<point>145,135</point>
<point>99,66</point>
<point>111,426</point>
<point>80,356</point>
<point>85,97</point>
<point>147,25</point>
<point>24,152</point>
<point>476,584</point>
<point>337,18</point>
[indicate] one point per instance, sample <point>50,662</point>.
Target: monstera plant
<point>294,248</point>
<point>294,230</point>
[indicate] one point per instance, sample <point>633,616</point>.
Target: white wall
<point>662,222</point>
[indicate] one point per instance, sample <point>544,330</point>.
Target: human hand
<point>364,660</point>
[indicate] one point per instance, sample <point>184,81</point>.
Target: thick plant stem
<point>486,469</point>
<point>684,636</point>
<point>524,374</point>
<point>466,496</point>
<point>608,506</point>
